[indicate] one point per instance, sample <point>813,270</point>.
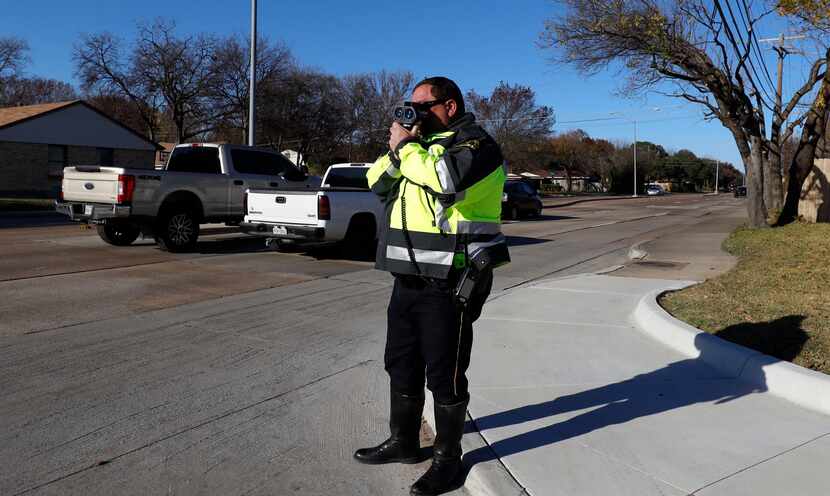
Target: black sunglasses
<point>424,106</point>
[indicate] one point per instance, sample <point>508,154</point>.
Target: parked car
<point>740,191</point>
<point>520,199</point>
<point>201,183</point>
<point>655,190</point>
<point>343,208</point>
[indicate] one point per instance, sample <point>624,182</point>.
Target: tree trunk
<point>568,180</point>
<point>755,180</point>
<point>773,189</point>
<point>815,126</point>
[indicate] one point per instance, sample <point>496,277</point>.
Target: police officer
<point>442,189</point>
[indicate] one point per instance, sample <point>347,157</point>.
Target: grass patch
<point>776,300</point>
<point>26,204</point>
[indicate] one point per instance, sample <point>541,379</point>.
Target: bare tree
<point>103,66</point>
<point>230,77</point>
<point>13,56</point>
<point>32,91</point>
<point>180,70</point>
<point>119,108</point>
<point>514,119</point>
<point>705,51</point>
<point>370,99</point>
<point>306,112</point>
<point>164,75</point>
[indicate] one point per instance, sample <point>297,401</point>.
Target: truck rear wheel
<point>119,233</point>
<point>360,236</point>
<point>177,230</point>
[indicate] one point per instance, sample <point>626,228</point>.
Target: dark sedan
<point>520,199</point>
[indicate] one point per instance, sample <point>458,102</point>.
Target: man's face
<point>439,113</point>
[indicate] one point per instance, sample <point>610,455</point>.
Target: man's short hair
<point>445,89</point>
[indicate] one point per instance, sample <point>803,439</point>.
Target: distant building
<point>38,141</point>
<point>163,153</point>
<point>580,183</point>
<point>293,156</point>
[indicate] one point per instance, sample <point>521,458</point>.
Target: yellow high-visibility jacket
<point>443,197</point>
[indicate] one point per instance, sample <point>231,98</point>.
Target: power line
<point>756,45</point>
<point>639,121</point>
<point>747,46</point>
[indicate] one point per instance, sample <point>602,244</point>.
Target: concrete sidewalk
<point>575,400</point>
<point>570,397</point>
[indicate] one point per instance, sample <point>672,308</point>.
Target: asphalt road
<point>235,369</point>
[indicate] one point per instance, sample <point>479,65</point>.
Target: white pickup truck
<point>201,183</point>
<point>342,209</point>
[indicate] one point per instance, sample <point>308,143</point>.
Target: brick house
<point>38,141</point>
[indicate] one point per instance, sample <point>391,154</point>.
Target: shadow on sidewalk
<point>668,388</point>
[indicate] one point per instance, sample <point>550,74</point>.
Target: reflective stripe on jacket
<point>443,200</point>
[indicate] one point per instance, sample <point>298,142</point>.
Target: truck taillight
<point>323,208</point>
<point>126,188</point>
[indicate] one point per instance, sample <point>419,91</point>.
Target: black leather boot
<point>404,444</point>
<point>443,475</point>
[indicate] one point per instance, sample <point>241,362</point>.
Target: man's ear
<point>452,108</point>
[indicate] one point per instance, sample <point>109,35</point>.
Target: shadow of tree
<point>225,246</point>
<point>524,240</point>
<point>640,396</point>
<point>781,338</point>
<point>823,212</point>
<point>546,217</point>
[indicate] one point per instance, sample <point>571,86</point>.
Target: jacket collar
<point>463,121</point>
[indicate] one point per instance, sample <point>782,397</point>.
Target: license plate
<point>279,230</point>
<point>87,209</point>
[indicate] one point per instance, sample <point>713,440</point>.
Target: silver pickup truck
<point>342,209</point>
<point>201,183</point>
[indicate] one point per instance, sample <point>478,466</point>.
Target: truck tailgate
<point>91,184</point>
<point>282,207</point>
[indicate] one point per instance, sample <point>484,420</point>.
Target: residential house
<point>38,141</point>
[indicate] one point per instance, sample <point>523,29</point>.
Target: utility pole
<point>717,173</point>
<point>783,51</point>
<point>635,158</point>
<point>634,121</point>
<point>252,95</point>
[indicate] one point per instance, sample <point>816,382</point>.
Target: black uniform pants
<point>429,337</point>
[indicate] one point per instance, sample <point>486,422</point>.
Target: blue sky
<point>477,43</point>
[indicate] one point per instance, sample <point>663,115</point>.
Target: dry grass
<point>777,299</point>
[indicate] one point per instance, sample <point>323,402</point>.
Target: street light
<point>251,96</point>
<point>623,117</point>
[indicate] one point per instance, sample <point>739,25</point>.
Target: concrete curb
<point>583,200</point>
<point>489,478</point>
<point>804,387</point>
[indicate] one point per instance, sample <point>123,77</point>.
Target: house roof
<point>15,115</point>
<point>10,116</point>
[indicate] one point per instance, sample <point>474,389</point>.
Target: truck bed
<point>283,206</point>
